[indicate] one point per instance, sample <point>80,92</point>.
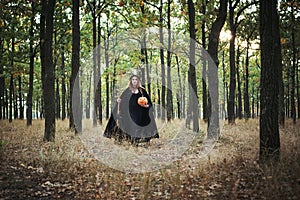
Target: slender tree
<point>31,68</point>
<point>75,112</point>
<point>193,102</point>
<point>213,129</point>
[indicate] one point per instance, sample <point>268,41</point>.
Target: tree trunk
<point>88,98</point>
<point>225,99</point>
<point>246,89</point>
<point>42,49</point>
<point>57,100</point>
<point>162,63</point>
<point>204,85</point>
<point>11,86</point>
<point>298,91</point>
<point>2,82</point>
<point>31,68</point>
<point>194,108</point>
<point>170,114</point>
<point>21,106</point>
<point>239,110</point>
<point>213,129</point>
<point>75,112</point>
<point>94,22</point>
<point>270,66</point>
<point>63,85</point>
<point>99,74</point>
<point>179,98</point>
<point>232,84</point>
<point>293,104</point>
<point>48,90</point>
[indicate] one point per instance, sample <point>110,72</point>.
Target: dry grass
<point>66,169</point>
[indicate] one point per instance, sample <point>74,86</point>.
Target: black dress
<point>134,121</point>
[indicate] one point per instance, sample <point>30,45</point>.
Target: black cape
<point>134,122</point>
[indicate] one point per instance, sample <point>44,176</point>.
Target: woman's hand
<point>145,106</point>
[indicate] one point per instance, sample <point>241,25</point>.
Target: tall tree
<point>204,85</point>
<point>31,64</point>
<point>162,62</point>
<point>213,128</point>
<point>293,68</point>
<point>193,102</point>
<point>232,83</point>
<point>49,78</point>
<point>170,114</point>
<point>2,82</point>
<point>269,85</point>
<point>75,112</point>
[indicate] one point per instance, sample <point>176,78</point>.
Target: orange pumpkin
<point>142,101</point>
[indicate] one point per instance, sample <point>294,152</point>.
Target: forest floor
<point>69,168</point>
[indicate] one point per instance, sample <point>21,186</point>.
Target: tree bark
<point>99,74</point>
<point>232,84</point>
<point>204,79</point>
<point>11,85</point>
<point>270,66</point>
<point>49,90</point>
<point>293,71</point>
<point>2,82</point>
<point>170,114</point>
<point>75,112</point>
<point>194,108</point>
<point>239,110</point>
<point>162,63</point>
<point>246,89</point>
<point>31,68</point>
<point>213,129</point>
<point>63,86</point>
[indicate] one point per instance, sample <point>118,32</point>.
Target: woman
<point>132,118</point>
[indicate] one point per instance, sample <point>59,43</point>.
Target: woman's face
<point>134,81</point>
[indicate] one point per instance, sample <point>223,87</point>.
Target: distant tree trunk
<point>224,86</point>
<point>48,90</point>
<point>15,101</point>
<point>42,49</point>
<point>99,74</point>
<point>162,63</point>
<point>95,105</point>
<point>298,91</point>
<point>252,102</point>
<point>270,66</point>
<point>57,99</point>
<point>213,129</point>
<point>204,85</point>
<point>158,106</point>
<point>239,110</point>
<point>179,97</point>
<point>194,108</point>
<point>107,95</point>
<point>232,84</point>
<point>170,114</point>
<point>88,98</point>
<point>11,86</point>
<point>31,68</point>
<point>63,85</point>
<point>21,99</point>
<point>6,104</point>
<point>2,83</point>
<point>293,71</point>
<point>75,113</point>
<point>246,89</point>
